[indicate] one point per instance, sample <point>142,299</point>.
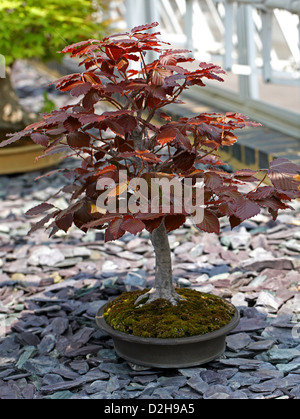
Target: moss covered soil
<point>197,314</point>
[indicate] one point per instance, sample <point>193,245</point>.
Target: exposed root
<point>155,294</point>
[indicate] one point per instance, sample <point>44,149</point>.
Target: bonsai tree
<point>38,30</point>
<point>123,149</point>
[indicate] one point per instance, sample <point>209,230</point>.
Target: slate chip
<point>47,344</point>
<point>9,391</point>
<point>198,384</point>
<point>261,345</point>
<point>28,339</point>
<point>65,385</point>
<point>238,341</point>
<point>41,365</point>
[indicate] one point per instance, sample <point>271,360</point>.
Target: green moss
<point>198,314</point>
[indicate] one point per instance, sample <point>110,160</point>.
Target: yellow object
<point>18,277</point>
<point>23,159</point>
<point>56,277</point>
<point>297,177</point>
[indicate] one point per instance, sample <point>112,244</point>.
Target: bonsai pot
<point>169,352</point>
<point>23,159</point>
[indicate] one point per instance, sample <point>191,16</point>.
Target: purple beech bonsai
<point>138,138</point>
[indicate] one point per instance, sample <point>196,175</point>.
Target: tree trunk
<point>163,287</point>
<point>13,117</point>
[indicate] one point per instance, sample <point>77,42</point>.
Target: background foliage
<point>39,29</point>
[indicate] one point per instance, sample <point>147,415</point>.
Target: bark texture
<point>163,287</point>
<point>13,117</point>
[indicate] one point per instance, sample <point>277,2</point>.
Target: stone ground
<point>50,291</point>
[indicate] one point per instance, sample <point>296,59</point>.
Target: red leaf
<point>152,224</point>
<point>210,223</point>
<point>122,65</point>
<point>172,222</point>
<point>168,59</point>
<point>72,47</point>
<point>50,173</point>
<point>39,209</point>
<point>78,139</point>
<point>128,123</point>
<point>114,52</point>
<point>183,141</point>
<point>107,69</point>
<point>106,169</point>
<point>81,89</point>
<point>72,124</point>
<point>113,88</point>
<point>159,75</point>
<point>65,79</point>
<point>41,223</point>
<point>54,150</point>
<point>284,166</point>
<point>211,132</point>
<point>114,114</point>
<point>272,203</point>
<point>283,181</point>
<point>116,127</point>
<point>141,154</point>
<point>184,160</point>
<point>171,81</point>
<point>282,172</point>
<point>132,72</point>
<point>123,145</point>
<point>83,50</point>
<point>14,138</point>
<point>40,139</point>
<point>56,131</point>
<point>246,209</point>
<point>54,117</point>
<point>99,155</point>
<point>70,85</point>
<point>229,138</point>
<point>234,221</point>
<point>147,156</point>
<point>246,175</point>
<point>90,99</point>
<point>148,216</point>
<point>92,78</point>
<point>114,230</point>
<point>91,118</point>
<point>165,116</point>
<point>212,180</point>
<point>210,66</point>
<point>65,223</point>
<point>211,160</point>
<point>100,221</point>
<point>261,193</point>
<point>133,225</point>
<point>166,135</point>
<point>144,27</point>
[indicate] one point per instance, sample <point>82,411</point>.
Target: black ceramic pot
<point>169,353</point>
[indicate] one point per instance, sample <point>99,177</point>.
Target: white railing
<point>257,42</point>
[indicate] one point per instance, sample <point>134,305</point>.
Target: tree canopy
<point>127,139</point>
<point>31,29</point>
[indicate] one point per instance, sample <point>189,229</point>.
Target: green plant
<point>31,29</point>
<point>48,105</point>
